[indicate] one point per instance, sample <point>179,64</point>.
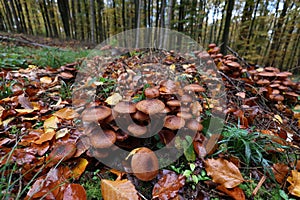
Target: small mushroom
<point>173,122</point>
<point>150,106</point>
<point>125,107</point>
<point>184,115</point>
<point>152,92</point>
<point>102,138</point>
<point>137,130</point>
<point>186,98</point>
<point>263,82</point>
<point>144,164</point>
<point>140,116</point>
<point>174,103</point>
<point>194,88</point>
<point>194,125</point>
<point>96,114</point>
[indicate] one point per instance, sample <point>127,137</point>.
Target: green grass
<point>251,147</point>
<point>13,57</point>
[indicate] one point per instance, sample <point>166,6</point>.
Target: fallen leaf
<point>61,133</point>
<point>294,180</point>
<point>277,118</point>
<point>50,124</point>
<point>113,99</point>
<point>24,111</point>
<point>79,168</point>
<point>236,193</point>
<point>61,152</point>
<point>122,189</point>
<point>25,103</point>
<point>223,172</point>
<point>280,171</point>
<point>168,186</point>
<point>241,94</point>
<point>74,192</point>
<point>45,137</point>
<point>46,80</point>
<point>66,113</point>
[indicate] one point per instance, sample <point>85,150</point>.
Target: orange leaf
<point>294,180</point>
<point>280,171</point>
<point>74,192</point>
<point>79,168</point>
<point>168,186</point>
<point>236,193</point>
<point>122,189</point>
<point>223,172</point>
<point>45,137</point>
<point>66,113</point>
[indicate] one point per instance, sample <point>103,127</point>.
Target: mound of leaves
<point>49,139</point>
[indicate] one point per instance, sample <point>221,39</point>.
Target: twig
<point>262,180</point>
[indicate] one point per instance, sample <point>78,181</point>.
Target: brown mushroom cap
<point>284,74</point>
<point>96,114</point>
<point>125,107</point>
<point>186,98</point>
<point>140,116</point>
<point>144,164</point>
<point>184,115</point>
<point>137,130</point>
<point>194,88</point>
<point>233,64</point>
<point>263,82</point>
<point>212,45</point>
<point>173,103</point>
<point>150,106</point>
<point>173,122</point>
<point>151,92</point>
<point>194,125</point>
<point>266,74</point>
<point>102,138</point>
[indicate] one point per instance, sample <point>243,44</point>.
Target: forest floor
<point>240,126</point>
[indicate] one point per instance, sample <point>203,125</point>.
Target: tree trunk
<point>276,42</point>
<point>74,3</point>
<point>100,20</point>
<point>52,16</point>
<point>15,16</point>
<point>93,20</point>
<point>30,31</point>
<point>115,15</point>
<point>227,26</point>
<point>21,16</point>
<point>63,6</point>
<point>222,22</point>
<point>8,15</point>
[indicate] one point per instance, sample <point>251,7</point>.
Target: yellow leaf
<point>278,118</point>
<point>294,180</point>
<point>61,133</point>
<point>46,80</point>
<point>113,99</point>
<point>7,121</point>
<point>50,124</point>
<point>66,113</point>
<point>122,190</point>
<point>223,172</point>
<point>32,66</point>
<point>24,111</point>
<point>172,67</point>
<point>79,168</point>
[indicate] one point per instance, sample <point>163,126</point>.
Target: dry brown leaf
<point>241,94</point>
<point>223,172</point>
<point>280,171</point>
<point>60,153</point>
<point>236,193</point>
<point>118,190</point>
<point>66,113</point>
<point>74,192</point>
<point>46,80</point>
<point>61,133</point>
<point>294,180</point>
<point>168,186</point>
<point>79,168</point>
<point>45,137</point>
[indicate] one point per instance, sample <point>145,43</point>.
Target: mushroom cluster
<point>164,105</point>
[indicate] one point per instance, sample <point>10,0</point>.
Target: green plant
<point>187,146</point>
<point>12,61</point>
<point>65,90</point>
<point>192,175</point>
<point>251,147</point>
<point>105,87</point>
<point>92,186</point>
<point>140,97</point>
<point>6,87</point>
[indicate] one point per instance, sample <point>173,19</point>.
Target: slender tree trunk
<point>222,22</point>
<point>2,26</point>
<point>227,26</point>
<point>100,20</point>
<point>149,13</point>
<point>181,15</point>
<point>15,16</point>
<point>63,6</point>
<point>52,16</point>
<point>115,15</point>
<point>8,15</point>
<point>28,17</point>
<point>201,19</point>
<point>74,3</point>
<point>93,20</point>
<point>276,42</point>
<point>21,16</point>
<point>88,27</point>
